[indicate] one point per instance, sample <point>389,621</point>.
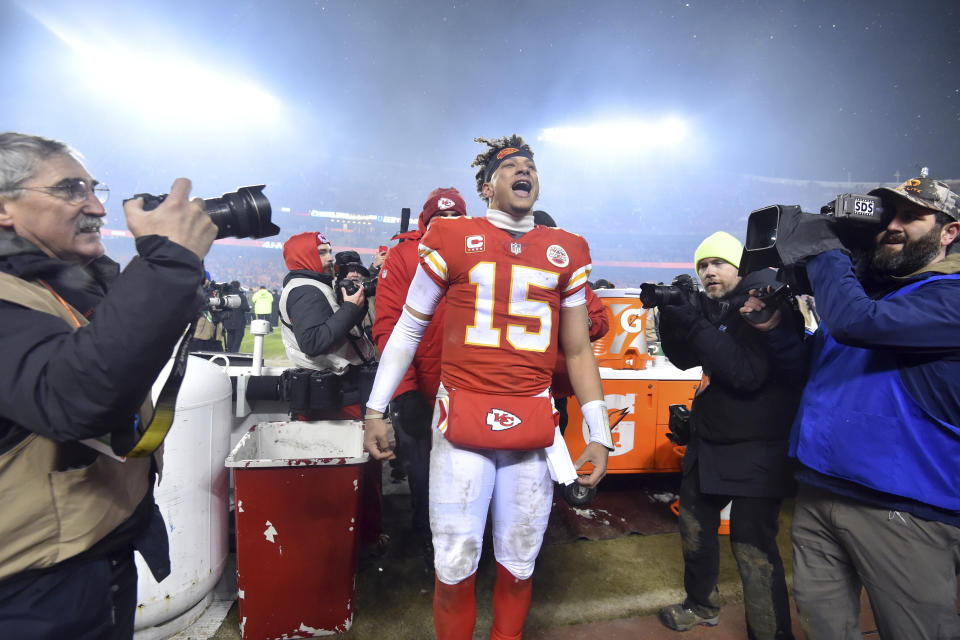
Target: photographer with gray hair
<point>82,344</point>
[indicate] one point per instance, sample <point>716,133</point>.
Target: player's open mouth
<point>522,188</point>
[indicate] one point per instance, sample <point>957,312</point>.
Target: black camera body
<point>857,219</point>
<point>244,213</point>
<point>660,295</point>
<point>369,286</point>
<point>679,425</point>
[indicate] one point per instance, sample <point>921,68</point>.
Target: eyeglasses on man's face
<point>73,190</point>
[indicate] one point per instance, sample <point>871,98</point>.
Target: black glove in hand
<point>801,236</point>
<point>679,316</point>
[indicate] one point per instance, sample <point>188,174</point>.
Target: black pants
<point>411,416</point>
<point>94,600</point>
<point>234,338</point>
<point>753,536</point>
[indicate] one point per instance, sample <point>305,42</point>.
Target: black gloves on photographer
<point>683,315</point>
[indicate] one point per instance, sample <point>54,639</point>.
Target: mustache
<point>893,236</point>
<point>87,222</point>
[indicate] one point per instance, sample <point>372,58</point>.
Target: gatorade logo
<point>631,320</point>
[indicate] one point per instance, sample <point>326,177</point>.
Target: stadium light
<point>164,84</point>
<point>624,135</point>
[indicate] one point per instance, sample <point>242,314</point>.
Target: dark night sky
<point>378,101</point>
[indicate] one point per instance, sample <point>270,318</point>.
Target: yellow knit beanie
<point>719,245</point>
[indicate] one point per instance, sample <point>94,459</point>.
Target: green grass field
<point>272,345</point>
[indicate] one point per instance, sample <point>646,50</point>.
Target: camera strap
<point>353,343</point>
<point>153,422</point>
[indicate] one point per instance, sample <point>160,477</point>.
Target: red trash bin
<point>297,490</point>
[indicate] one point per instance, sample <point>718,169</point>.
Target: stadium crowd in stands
<point>648,240</point>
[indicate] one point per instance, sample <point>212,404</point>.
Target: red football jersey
<point>503,296</point>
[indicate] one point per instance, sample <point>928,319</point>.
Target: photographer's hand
<point>679,316</point>
<point>357,298</point>
<point>754,305</point>
<point>183,221</point>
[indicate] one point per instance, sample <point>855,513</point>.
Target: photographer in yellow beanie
<point>736,440</point>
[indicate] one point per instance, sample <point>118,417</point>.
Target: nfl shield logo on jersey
<point>515,248</point>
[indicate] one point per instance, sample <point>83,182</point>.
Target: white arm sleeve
<point>396,359</point>
<point>598,421</point>
<point>423,296</point>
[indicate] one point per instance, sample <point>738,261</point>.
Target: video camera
<point>857,218</point>
<point>244,213</point>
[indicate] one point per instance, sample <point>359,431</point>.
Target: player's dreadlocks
<point>495,146</point>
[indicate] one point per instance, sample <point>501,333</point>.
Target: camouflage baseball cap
<point>927,193</point>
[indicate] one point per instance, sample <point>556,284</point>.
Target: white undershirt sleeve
<point>423,296</point>
<point>575,299</point>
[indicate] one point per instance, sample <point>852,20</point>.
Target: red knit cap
<point>442,199</point>
<point>300,251</point>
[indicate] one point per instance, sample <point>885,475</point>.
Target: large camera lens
<point>244,213</point>
<point>657,295</point>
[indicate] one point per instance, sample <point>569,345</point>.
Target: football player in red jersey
<point>514,295</point>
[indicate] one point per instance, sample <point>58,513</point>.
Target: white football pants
<point>463,482</point>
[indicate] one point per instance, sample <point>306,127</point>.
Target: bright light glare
<point>167,86</point>
<point>638,135</point>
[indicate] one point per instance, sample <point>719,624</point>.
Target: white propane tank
<point>192,497</point>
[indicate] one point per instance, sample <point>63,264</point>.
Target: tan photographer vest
<point>50,515</point>
<point>342,354</point>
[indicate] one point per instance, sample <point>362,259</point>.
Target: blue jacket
<point>906,338</point>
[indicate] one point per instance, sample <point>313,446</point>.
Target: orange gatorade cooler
<point>638,390</point>
<point>297,489</point>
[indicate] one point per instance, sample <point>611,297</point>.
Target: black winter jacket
<point>741,419</point>
<point>313,320</point>
<point>69,384</point>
